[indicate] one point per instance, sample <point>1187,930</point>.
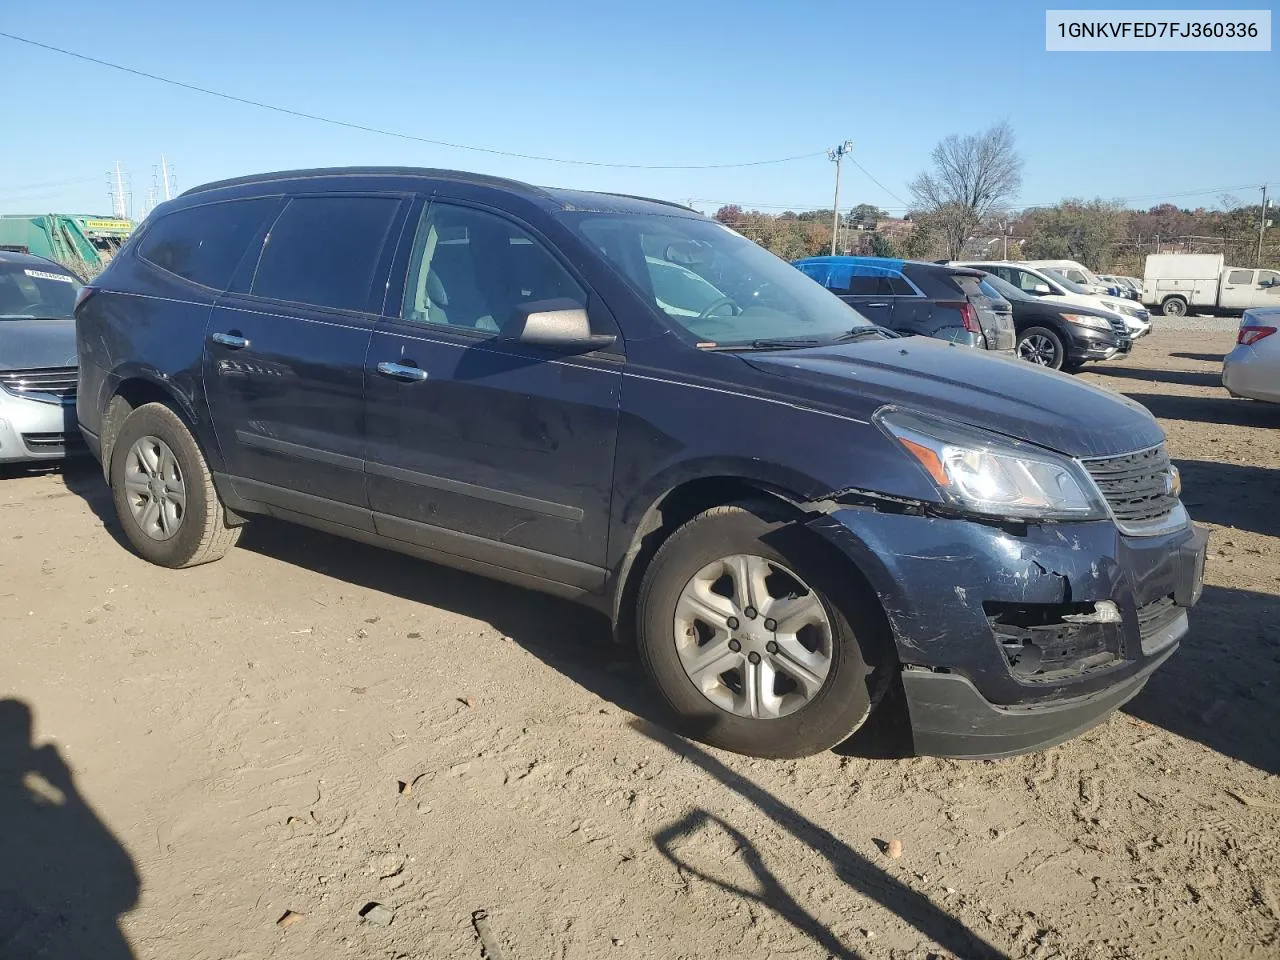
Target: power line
<point>397,134</point>
<point>904,203</point>
<point>48,184</point>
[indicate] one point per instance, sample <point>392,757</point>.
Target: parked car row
<point>622,402</point>
<point>37,358</point>
<point>1130,287</point>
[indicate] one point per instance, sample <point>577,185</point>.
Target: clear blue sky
<point>661,82</point>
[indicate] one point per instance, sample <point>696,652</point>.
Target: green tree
<point>923,242</point>
<point>1075,229</point>
<point>867,213</point>
<point>882,246</point>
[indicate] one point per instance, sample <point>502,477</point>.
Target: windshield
<point>1066,282</point>
<point>1004,288</point>
<point>716,284</point>
<point>36,291</point>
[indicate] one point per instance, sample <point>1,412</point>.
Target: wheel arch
<point>681,502</point>
<point>136,387</point>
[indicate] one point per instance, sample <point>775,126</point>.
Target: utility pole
<point>1004,240</point>
<point>1262,225</point>
<point>836,154</point>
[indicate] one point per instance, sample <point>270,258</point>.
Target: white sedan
<point>1252,369</point>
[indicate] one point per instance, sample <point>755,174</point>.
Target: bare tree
<point>970,178</point>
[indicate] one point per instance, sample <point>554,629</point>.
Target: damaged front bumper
<point>1016,637</point>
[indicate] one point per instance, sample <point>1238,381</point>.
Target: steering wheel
<point>715,304</point>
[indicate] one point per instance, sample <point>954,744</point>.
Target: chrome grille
<point>1137,486</point>
<point>50,383</point>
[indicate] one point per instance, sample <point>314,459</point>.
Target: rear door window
<point>204,244</point>
<point>1243,277</point>
<point>323,251</point>
<point>866,287</point>
<point>899,287</point>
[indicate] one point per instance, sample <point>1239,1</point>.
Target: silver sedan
<point>1252,369</point>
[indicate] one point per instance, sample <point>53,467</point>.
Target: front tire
<point>163,491</point>
<point>739,632</point>
<point>1043,347</point>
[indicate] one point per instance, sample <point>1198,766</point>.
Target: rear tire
<point>794,686</point>
<point>164,493</point>
<point>1043,347</point>
<point>1174,307</point>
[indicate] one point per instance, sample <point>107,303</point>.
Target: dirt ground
<point>235,761</point>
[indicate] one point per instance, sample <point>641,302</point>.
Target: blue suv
<point>619,401</point>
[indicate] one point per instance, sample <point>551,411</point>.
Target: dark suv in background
<point>1061,336</point>
<point>911,297</point>
<point>622,402</point>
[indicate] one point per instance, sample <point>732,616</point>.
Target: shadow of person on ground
<point>1222,408</point>
<point>64,878</point>
<point>862,876</point>
<point>1232,495</point>
<point>1220,688</point>
<point>1190,378</point>
<point>772,893</point>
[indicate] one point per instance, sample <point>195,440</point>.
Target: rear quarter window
<point>323,251</point>
<point>204,244</point>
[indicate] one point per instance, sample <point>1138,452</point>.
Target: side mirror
<point>557,325</point>
<point>1041,290</point>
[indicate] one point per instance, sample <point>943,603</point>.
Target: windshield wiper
<point>802,343</point>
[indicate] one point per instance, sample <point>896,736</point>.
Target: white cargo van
<point>1179,282</point>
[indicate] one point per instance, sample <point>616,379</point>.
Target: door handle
<point>877,304</point>
<point>402,371</point>
<point>232,340</point>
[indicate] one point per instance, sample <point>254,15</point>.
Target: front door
<point>1238,289</point>
<point>285,353</point>
<point>1266,289</point>
<point>478,446</point>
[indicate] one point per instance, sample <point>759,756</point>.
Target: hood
<point>32,344</point>
<point>1003,395</point>
<point>1086,300</point>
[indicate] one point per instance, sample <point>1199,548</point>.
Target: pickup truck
<point>1176,283</point>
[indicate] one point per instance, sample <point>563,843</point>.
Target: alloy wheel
<point>753,637</point>
<point>155,488</point>
<point>1038,349</point>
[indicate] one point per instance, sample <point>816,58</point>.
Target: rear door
<point>482,447</point>
<point>1238,287</point>
<point>871,297</point>
<point>285,351</point>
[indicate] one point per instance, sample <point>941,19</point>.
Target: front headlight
<point>1084,320</point>
<point>997,476</point>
